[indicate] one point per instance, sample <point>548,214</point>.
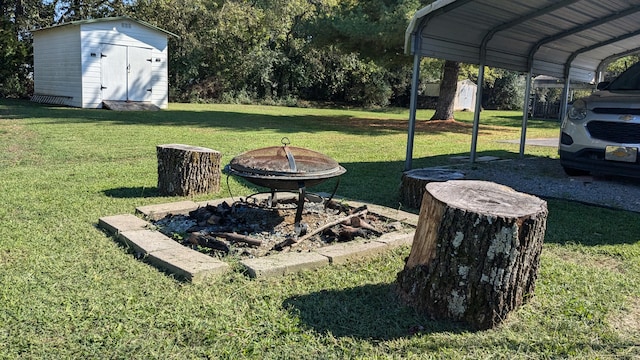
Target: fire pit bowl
<point>284,167</point>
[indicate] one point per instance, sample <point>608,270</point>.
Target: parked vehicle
<point>601,133</point>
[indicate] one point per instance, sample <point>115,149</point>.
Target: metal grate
<point>624,133</point>
<point>616,111</point>
<point>52,99</point>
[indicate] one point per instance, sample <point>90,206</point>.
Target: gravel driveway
<point>545,178</point>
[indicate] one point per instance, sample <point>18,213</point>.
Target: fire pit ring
<point>285,168</point>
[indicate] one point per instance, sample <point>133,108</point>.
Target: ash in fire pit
<point>256,229</point>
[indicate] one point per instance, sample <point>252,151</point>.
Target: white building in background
<point>465,94</point>
<point>86,63</point>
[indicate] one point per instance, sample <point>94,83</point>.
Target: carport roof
<point>540,36</point>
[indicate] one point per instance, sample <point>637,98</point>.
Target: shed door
<point>139,76</point>
<point>125,73</point>
<point>113,67</point>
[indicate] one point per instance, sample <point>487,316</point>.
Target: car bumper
<point>593,160</point>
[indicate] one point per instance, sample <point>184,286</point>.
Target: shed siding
<point>160,79</point>
<point>123,32</point>
<point>57,64</point>
<point>127,33</point>
<point>68,62</point>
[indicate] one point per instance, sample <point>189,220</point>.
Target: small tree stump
<point>414,183</point>
<point>475,253</point>
<point>187,170</point>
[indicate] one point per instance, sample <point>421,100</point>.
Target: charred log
<point>238,238</point>
<point>208,242</point>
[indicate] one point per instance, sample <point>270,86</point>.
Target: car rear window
<point>628,80</point>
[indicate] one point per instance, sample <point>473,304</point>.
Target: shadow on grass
<point>584,222</point>
<point>132,192</point>
<point>383,179</point>
<point>575,223</point>
<point>365,312</point>
<point>236,121</point>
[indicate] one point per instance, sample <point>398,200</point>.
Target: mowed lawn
<point>67,290</point>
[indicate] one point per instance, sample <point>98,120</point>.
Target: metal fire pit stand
<point>277,169</point>
<point>298,227</point>
<point>272,201</point>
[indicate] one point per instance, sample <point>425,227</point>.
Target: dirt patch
<point>597,261</point>
<point>430,126</point>
<point>627,322</point>
<point>15,144</point>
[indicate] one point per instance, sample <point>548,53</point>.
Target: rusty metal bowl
<point>284,167</point>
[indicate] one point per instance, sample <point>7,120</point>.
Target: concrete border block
<point>187,264</point>
<point>283,264</point>
<point>398,215</point>
<point>118,223</point>
<point>146,241</point>
<point>157,212</point>
<point>345,252</point>
<point>396,239</point>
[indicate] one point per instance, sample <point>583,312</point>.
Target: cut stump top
<point>434,174</point>
<point>484,197</point>
<point>184,147</point>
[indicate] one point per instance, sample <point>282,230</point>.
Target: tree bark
<point>448,88</point>
<point>475,253</point>
<point>187,170</point>
<point>414,183</point>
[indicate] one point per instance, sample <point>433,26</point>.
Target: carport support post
<point>525,115</point>
<point>476,113</point>
<point>413,106</point>
<point>565,96</point>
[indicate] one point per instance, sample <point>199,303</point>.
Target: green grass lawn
<point>69,291</point>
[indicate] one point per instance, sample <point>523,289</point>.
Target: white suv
<point>601,133</point>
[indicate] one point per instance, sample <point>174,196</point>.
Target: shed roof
<point>550,37</point>
<point>107,19</point>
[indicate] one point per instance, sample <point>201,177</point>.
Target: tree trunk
<point>448,88</point>
<point>187,170</point>
<point>475,253</point>
<point>414,183</point>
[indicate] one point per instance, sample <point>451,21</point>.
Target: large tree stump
<point>187,170</point>
<point>475,253</point>
<point>414,183</point>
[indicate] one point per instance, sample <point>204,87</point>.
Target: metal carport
<point>567,39</point>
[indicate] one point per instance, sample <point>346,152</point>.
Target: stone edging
<point>191,265</point>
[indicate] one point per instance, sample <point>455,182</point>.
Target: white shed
<point>86,63</point>
<point>465,94</point>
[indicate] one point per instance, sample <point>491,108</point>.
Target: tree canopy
<point>271,51</point>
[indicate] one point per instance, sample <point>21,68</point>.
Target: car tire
<point>574,172</point>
